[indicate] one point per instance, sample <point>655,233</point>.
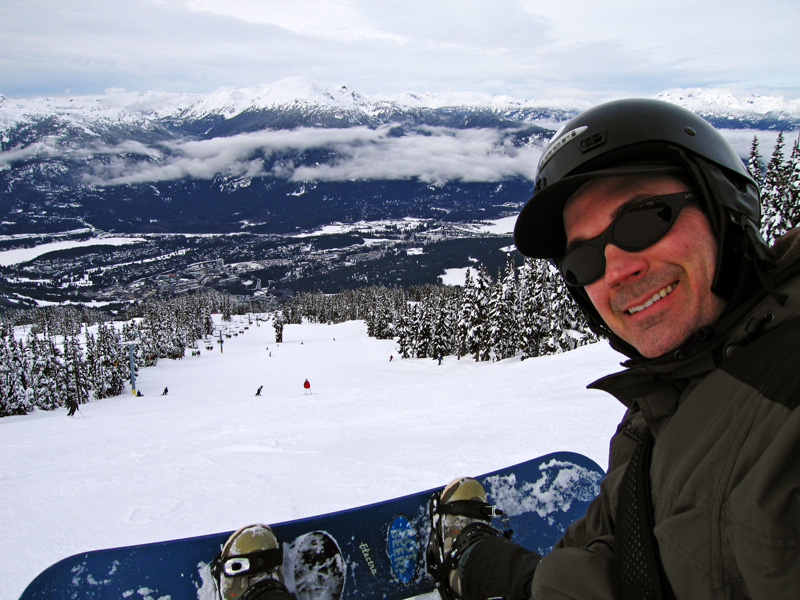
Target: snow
<point>21,255</point>
<point>211,456</point>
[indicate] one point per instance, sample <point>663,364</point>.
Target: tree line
<point>524,311</point>
<point>779,182</point>
<point>69,354</point>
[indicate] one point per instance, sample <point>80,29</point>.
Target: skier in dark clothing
<point>72,405</point>
<point>258,391</point>
<point>165,392</point>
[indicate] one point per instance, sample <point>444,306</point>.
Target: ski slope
<point>211,456</point>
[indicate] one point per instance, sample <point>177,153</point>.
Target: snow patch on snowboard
<point>314,567</point>
<point>208,589</point>
<point>560,484</point>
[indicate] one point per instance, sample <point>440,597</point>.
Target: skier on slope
<point>653,222</point>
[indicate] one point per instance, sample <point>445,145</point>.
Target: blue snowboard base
<point>382,545</point>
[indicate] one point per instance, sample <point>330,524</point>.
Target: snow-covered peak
<point>717,100</point>
<point>230,102</point>
<point>118,106</point>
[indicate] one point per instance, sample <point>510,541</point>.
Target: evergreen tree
<point>44,367</point>
<point>754,164</point>
<point>463,318</point>
<point>502,311</point>
<point>110,363</point>
<point>792,216</point>
<point>405,328</point>
<point>277,324</point>
<point>531,310</point>
<point>480,320</point>
<point>13,397</point>
<point>774,195</point>
<point>74,381</point>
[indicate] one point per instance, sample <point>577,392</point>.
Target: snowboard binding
<point>249,566</point>
<point>460,517</point>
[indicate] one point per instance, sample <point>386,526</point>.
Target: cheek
<point>598,296</point>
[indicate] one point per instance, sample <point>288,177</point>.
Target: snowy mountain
<point>122,107</point>
<point>726,109</point>
<point>288,159</point>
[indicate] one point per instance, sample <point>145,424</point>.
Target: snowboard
<point>377,550</point>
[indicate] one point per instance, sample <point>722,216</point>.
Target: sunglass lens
<point>583,265</point>
<point>640,228</point>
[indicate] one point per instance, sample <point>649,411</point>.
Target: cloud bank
<point>429,154</point>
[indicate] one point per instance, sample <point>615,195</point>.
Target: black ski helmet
<point>642,136</point>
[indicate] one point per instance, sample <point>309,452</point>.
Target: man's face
<point>676,271</point>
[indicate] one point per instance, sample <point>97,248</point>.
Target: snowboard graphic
<point>373,551</point>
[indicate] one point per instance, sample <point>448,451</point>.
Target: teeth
<point>656,297</point>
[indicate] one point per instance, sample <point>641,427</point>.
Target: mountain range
<point>276,164</point>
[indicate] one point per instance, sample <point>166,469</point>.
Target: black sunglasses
<point>638,226</point>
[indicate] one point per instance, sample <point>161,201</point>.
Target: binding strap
<point>261,561</point>
<point>475,509</point>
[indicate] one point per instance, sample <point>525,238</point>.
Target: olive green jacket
<point>725,472</point>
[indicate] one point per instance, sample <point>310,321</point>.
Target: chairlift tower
<point>130,344</point>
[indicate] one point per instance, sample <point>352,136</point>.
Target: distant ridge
<point>123,106</point>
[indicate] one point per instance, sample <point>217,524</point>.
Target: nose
<point>622,266</point>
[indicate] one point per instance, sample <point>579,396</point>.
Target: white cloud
<point>337,19</point>
<point>434,155</point>
<point>430,154</point>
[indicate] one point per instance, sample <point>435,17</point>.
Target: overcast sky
<point>529,49</point>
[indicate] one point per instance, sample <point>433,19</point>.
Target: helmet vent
<point>593,141</point>
<point>690,131</point>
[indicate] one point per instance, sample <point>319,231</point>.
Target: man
<point>653,222</point>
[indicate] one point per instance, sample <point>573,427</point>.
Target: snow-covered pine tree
<point>441,330</point>
<point>423,329</point>
<point>473,320</point>
<point>774,195</point>
<point>503,329</point>
<point>45,368</point>
<point>792,216</point>
<point>74,382</point>
<point>277,324</point>
<point>755,165</point>
<point>463,322</point>
<point>111,364</point>
<point>404,331</point>
<point>531,311</point>
<point>380,319</point>
<point>13,398</point>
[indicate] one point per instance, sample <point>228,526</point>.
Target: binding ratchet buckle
<point>254,562</point>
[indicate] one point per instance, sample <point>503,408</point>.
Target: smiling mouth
<point>656,297</point>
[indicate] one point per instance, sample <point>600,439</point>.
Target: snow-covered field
<point>211,456</point>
